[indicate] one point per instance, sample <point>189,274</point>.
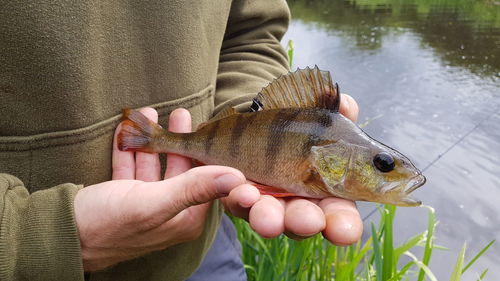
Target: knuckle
<point>198,191</point>
<point>192,197</point>
<point>150,222</point>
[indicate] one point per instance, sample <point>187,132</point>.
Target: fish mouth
<point>415,183</point>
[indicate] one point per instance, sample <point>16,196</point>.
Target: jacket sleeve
<point>38,235</point>
<point>251,54</point>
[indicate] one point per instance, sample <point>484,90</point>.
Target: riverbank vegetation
<point>376,259</point>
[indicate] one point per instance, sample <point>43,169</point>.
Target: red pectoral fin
<point>273,191</point>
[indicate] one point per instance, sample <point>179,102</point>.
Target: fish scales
<point>296,141</point>
<point>277,142</point>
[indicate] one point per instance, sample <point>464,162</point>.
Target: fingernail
<point>225,183</point>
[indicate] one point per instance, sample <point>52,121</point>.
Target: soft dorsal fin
<point>303,88</point>
<point>222,114</point>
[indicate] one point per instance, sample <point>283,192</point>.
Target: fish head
<point>368,171</point>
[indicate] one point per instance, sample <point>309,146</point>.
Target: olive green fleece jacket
<point>67,68</point>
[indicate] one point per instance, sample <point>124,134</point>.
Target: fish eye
<point>384,162</point>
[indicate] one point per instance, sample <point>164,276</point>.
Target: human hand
<point>299,218</point>
<point>136,213</point>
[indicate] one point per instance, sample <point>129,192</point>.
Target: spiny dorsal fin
<point>303,88</point>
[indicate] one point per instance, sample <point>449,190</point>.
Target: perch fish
<point>294,142</point>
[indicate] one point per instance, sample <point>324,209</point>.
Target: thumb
<point>197,186</point>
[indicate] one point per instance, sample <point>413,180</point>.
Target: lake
<point>427,79</point>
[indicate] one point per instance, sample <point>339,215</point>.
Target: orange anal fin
<point>273,191</point>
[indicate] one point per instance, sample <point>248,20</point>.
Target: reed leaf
<point>457,271</point>
<point>388,258</point>
<point>429,244</point>
<point>481,277</point>
<point>377,254</point>
<point>474,259</point>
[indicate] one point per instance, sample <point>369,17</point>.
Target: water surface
<point>430,73</point>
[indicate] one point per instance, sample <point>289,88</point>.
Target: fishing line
<point>458,141</point>
<point>447,150</point>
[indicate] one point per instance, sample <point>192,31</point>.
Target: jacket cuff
<point>38,235</point>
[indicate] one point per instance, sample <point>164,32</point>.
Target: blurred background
<point>426,75</point>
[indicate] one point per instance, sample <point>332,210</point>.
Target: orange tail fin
<point>137,132</point>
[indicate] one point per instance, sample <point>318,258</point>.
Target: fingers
<point>123,162</point>
<point>303,217</point>
<point>267,216</point>
<point>240,200</point>
<point>196,186</point>
<point>343,222</point>
<point>147,165</point>
<point>144,166</point>
<point>179,122</point>
<point>349,107</point>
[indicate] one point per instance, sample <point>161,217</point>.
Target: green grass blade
<point>289,51</point>
<point>429,241</point>
<point>251,272</point>
<point>330,259</point>
<point>410,243</point>
<point>477,256</point>
<point>457,271</point>
<point>388,247</point>
<point>261,244</point>
<point>481,277</point>
<point>439,247</point>
<point>424,268</point>
<point>366,267</point>
<point>402,272</point>
<point>283,259</point>
<point>360,254</point>
<point>377,254</point>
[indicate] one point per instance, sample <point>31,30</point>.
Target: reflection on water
<point>464,33</point>
<point>432,71</point>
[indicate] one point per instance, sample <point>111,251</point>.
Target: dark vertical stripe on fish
<point>210,136</point>
<point>238,130</point>
<point>186,141</point>
<point>323,121</point>
<point>275,139</point>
